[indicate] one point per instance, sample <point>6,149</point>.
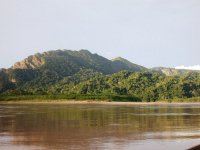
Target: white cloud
<point>195,67</point>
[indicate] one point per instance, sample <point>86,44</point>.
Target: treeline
<point>124,85</point>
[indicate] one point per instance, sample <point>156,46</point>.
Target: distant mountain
<point>171,71</point>
<point>50,67</point>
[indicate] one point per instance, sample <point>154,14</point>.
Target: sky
<point>147,32</point>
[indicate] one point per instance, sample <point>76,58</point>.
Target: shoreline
<point>95,102</point>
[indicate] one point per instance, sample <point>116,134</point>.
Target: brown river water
<point>99,127</point>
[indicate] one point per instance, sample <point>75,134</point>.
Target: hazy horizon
<point>150,33</point>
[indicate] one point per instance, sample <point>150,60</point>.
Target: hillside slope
<point>123,64</point>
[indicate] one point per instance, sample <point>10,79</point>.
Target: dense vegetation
<point>82,75</point>
<point>88,84</point>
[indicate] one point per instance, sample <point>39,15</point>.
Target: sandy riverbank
<point>94,102</point>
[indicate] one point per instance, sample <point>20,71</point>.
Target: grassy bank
<point>114,98</point>
<point>121,98</point>
<point>182,100</point>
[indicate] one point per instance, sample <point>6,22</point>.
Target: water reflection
<point>97,126</point>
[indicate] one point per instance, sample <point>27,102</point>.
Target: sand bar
<point>94,102</point>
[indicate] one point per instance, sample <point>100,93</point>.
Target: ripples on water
<point>48,126</point>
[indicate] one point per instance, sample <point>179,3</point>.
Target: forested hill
<point>81,72</point>
<point>52,66</point>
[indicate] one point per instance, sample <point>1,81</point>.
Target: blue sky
<point>147,32</point>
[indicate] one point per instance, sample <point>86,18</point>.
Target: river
<point>99,127</point>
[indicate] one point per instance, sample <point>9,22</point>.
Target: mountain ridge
<point>39,59</point>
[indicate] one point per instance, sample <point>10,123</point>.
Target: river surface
<point>99,127</point>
